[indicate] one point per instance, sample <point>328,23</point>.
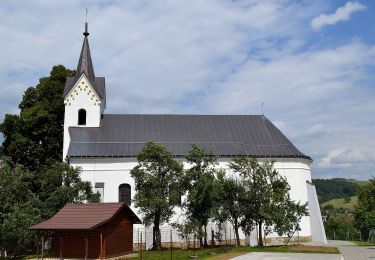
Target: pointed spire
<point>85,63</point>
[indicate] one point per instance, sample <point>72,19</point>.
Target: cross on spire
<point>86,33</point>
<point>85,63</point>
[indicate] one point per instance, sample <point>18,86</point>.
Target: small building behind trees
<point>94,230</point>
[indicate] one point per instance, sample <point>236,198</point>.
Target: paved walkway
<point>348,250</point>
<point>287,256</point>
<point>351,251</point>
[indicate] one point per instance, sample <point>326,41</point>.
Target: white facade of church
<point>84,108</point>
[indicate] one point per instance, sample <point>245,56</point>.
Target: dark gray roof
<point>86,67</point>
<point>224,135</point>
<point>98,85</point>
<point>85,62</point>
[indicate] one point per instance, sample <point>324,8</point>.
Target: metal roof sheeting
<point>223,135</point>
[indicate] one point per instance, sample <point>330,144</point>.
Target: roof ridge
<point>183,115</point>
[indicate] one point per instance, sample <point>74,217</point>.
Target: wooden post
<point>42,247</point>
<point>171,244</point>
<point>212,237</point>
<point>101,245</point>
<point>37,248</point>
<point>86,248</point>
<point>61,248</point>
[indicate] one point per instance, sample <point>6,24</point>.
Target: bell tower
<point>84,95</point>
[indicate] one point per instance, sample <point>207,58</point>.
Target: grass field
<point>360,183</point>
<point>340,203</point>
<point>227,253</point>
<point>363,243</point>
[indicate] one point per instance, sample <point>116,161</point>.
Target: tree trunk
<point>153,238</point>
<point>157,236</point>
<point>236,232</point>
<point>205,236</point>
<point>200,238</point>
<point>260,240</point>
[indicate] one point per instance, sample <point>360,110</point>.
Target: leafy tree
<point>267,198</point>
<point>17,203</point>
<point>71,188</point>
<point>231,203</point>
<point>287,217</point>
<point>16,236</point>
<point>200,184</point>
<point>186,229</point>
<point>20,207</point>
<point>35,137</point>
<point>157,180</point>
<point>364,214</point>
<point>14,188</point>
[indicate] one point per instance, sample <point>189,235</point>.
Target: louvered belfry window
<point>124,193</point>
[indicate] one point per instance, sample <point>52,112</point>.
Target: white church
<point>105,146</point>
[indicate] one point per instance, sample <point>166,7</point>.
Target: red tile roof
<point>85,216</point>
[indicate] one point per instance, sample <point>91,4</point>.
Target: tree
<point>16,236</point>
<point>287,217</point>
<point>17,203</point>
<point>157,183</point>
<point>231,203</point>
<point>35,137</point>
<point>200,185</point>
<point>267,198</point>
<point>364,213</point>
<point>71,188</point>
<point>20,207</point>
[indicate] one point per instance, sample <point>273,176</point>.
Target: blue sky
<point>311,62</point>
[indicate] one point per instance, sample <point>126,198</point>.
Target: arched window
<point>81,117</point>
<point>124,193</point>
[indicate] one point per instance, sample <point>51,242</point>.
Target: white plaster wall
<point>83,96</point>
<point>115,171</point>
<point>318,233</point>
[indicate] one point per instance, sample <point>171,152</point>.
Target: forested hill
<point>328,189</point>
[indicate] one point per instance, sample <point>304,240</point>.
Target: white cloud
<point>341,14</point>
<point>203,57</point>
<point>347,157</point>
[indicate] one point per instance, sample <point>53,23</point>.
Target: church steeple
<point>84,95</point>
<point>85,63</point>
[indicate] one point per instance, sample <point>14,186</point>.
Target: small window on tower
<point>81,117</point>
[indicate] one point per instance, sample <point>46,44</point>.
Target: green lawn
<point>227,253</point>
<point>340,203</point>
<point>363,243</point>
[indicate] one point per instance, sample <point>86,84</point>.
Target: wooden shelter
<point>94,230</point>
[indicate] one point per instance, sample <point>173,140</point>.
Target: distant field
<point>360,183</point>
<point>340,203</point>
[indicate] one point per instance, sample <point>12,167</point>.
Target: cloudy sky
<point>311,62</point>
